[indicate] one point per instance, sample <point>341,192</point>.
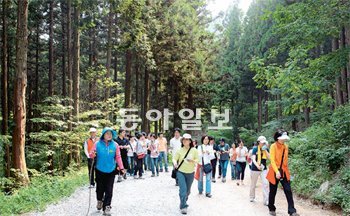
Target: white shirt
<point>207,157</point>
<point>241,152</point>
<point>175,145</point>
<point>131,151</point>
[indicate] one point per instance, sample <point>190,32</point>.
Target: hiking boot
<point>99,205</point>
<point>208,195</point>
<point>214,181</point>
<point>119,179</point>
<point>219,176</point>
<point>200,192</point>
<point>125,176</point>
<point>184,211</point>
<point>152,175</point>
<point>107,211</point>
<point>294,214</point>
<point>272,213</point>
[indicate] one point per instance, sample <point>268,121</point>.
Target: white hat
<point>187,136</point>
<point>92,130</point>
<point>284,136</point>
<point>262,139</point>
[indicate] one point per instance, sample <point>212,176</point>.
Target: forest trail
<point>155,196</point>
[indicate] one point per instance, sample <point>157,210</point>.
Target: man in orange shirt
<point>279,172</point>
<point>88,145</point>
<point>162,148</point>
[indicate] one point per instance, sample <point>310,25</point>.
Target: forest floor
<point>155,196</point>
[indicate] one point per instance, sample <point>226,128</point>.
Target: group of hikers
<point>124,155</point>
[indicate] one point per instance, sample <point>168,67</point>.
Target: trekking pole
<point>90,176</point>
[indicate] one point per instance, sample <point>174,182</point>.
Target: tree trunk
<point>338,93</point>
<point>51,59</point>
<point>64,47</point>
<point>279,106</point>
<point>70,57</point>
<point>347,43</point>
<point>137,78</point>
<point>109,50</point>
<point>4,87</point>
<point>342,44</point>
<point>70,68</point>
<point>146,102</point>
<point>37,52</point>
<point>76,74</point>
<point>19,162</point>
<point>260,92</point>
<point>307,111</point>
<point>266,116</point>
<point>128,58</point>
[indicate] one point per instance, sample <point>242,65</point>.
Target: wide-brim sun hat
<point>262,139</point>
<point>284,136</point>
<point>186,136</point>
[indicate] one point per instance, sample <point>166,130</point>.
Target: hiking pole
<point>90,176</point>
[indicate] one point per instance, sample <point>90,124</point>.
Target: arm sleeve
<point>272,158</point>
<point>92,153</point>
<point>196,157</point>
<point>118,158</point>
<point>86,150</point>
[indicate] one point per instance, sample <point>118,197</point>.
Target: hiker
<point>214,160</point>
<point>88,145</point>
<point>233,157</point>
<point>131,151</point>
<point>241,161</point>
<point>175,145</point>
<point>205,154</point>
<point>259,168</point>
<point>153,147</point>
<point>184,161</point>
<point>107,154</point>
<point>224,150</point>
<point>163,155</point>
<point>279,172</point>
<point>124,146</point>
<point>139,155</point>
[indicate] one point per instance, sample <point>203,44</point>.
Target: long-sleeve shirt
<point>207,156</point>
<point>186,167</point>
<point>108,155</point>
<point>276,152</point>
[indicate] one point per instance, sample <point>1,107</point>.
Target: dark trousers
<point>91,171</point>
<point>138,167</point>
<point>213,166</point>
<point>125,164</point>
<point>220,169</point>
<point>287,191</point>
<point>240,170</point>
<point>104,188</point>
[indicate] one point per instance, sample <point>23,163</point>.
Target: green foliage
<point>42,191</point>
<point>321,154</point>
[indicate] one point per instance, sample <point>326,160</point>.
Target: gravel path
<point>159,196</point>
